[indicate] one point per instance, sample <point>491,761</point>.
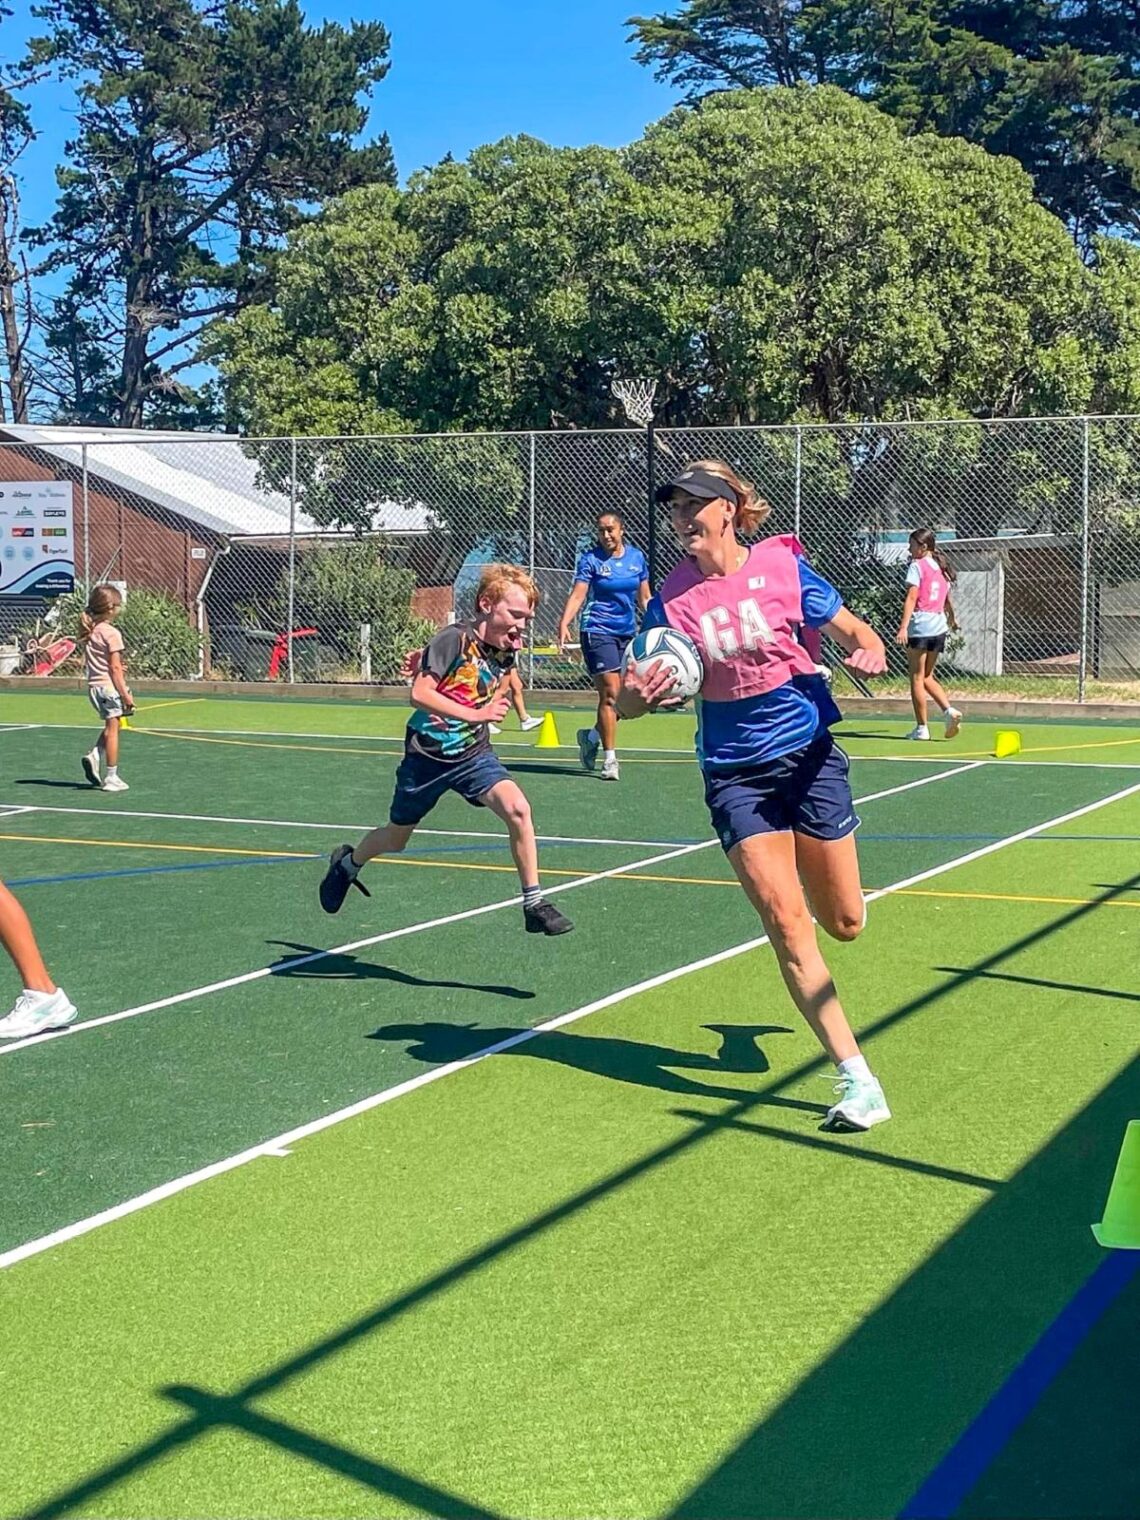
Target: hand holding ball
<point>675,656</point>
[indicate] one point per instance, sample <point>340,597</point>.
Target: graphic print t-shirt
<point>469,672</point>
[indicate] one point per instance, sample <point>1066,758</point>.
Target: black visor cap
<point>700,483</point>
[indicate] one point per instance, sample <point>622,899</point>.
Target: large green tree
<point>206,130</point>
<point>769,255</point>
<point>1053,83</point>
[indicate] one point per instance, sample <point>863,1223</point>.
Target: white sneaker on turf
<point>494,728</point>
<point>919,731</point>
<point>528,723</point>
<point>953,720</point>
<point>611,771</point>
<point>35,1012</point>
<point>91,766</point>
<point>861,1103</point>
<point>115,784</point>
<point>588,745</point>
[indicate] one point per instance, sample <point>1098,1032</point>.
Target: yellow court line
<point>171,702</point>
<point>1075,902</point>
<point>467,865</point>
<point>130,844</point>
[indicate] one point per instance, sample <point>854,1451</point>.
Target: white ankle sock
<point>854,1066</point>
<point>609,754</point>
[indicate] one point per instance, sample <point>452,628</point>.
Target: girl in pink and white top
<point>107,686</point>
<point>776,783</point>
<point>927,617</point>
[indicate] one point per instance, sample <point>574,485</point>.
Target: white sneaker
<point>91,767</point>
<point>861,1103</point>
<point>35,1012</point>
<point>115,784</point>
<point>919,731</point>
<point>611,770</point>
<point>528,723</point>
<point>494,728</point>
<point>953,720</point>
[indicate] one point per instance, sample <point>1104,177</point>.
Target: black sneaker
<point>334,887</point>
<point>544,918</point>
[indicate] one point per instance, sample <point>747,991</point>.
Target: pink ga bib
<point>743,624</point>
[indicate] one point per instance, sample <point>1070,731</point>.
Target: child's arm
<point>643,596</point>
<point>950,618</point>
<point>864,647</point>
<point>908,610</point>
<point>427,696</point>
<point>118,679</point>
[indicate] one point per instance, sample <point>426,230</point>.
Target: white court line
<point>347,828</point>
<point>14,811</point>
<point>280,1143</point>
<point>435,923</point>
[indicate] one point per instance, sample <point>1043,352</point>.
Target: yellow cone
<point>1007,743</point>
<point>124,722</point>
<point>547,733</point>
<point>1120,1227</point>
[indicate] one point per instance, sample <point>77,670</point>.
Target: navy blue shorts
<point>604,652</point>
<point>807,791</point>
<point>931,643</point>
<point>422,781</point>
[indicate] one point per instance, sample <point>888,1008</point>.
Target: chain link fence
<point>325,560</point>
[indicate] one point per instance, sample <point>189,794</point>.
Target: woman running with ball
<point>612,579</point>
<point>776,783</point>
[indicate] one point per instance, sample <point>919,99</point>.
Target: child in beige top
<point>106,684</point>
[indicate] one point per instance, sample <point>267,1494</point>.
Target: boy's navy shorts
<point>604,652</point>
<point>421,781</point>
<point>807,791</point>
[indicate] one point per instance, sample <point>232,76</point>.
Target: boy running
<point>461,688</point>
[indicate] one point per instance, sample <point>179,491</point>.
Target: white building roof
<point>211,479</point>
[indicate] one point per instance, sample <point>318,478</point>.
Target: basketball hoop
<point>636,398</point>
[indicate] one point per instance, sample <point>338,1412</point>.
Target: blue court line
<point>965,1464</point>
<point>194,865</point>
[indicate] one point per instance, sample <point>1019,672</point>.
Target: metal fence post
<point>651,499</point>
<point>1086,548</point>
<point>289,617</point>
<point>86,526</point>
<point>799,480</point>
<point>530,558</point>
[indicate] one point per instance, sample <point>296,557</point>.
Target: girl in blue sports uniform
<point>612,579</point>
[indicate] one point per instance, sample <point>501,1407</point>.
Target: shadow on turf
<point>634,1061</point>
<point>1036,981</point>
<point>63,786</point>
<point>859,1435</point>
<point>345,967</point>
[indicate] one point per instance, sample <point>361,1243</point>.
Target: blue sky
<point>461,74</point>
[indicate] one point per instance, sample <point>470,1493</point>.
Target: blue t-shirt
<point>614,581</point>
<point>752,730</point>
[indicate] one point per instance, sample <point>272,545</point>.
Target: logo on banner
<point>55,512</point>
<point>23,533</point>
<point>53,532</point>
